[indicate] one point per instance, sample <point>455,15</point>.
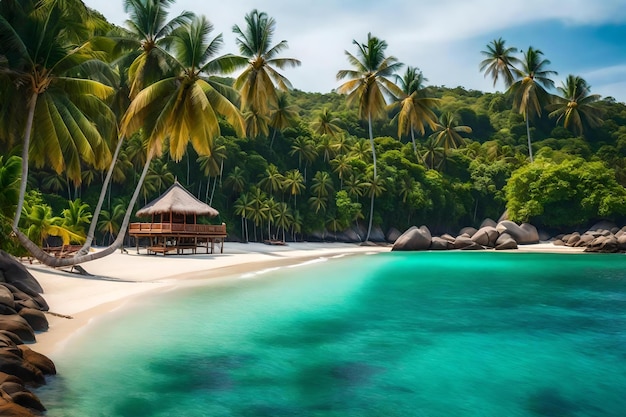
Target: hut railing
<point>208,229</point>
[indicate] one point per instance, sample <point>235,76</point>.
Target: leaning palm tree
<point>260,79</point>
<point>368,84</point>
<point>575,106</point>
<point>529,91</point>
<point>183,109</point>
<point>499,62</point>
<point>53,110</point>
<point>415,107</point>
<point>137,51</point>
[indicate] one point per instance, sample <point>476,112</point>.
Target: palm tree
<point>325,123</point>
<point>50,105</point>
<point>76,216</point>
<point>354,185</point>
<point>183,108</point>
<point>260,79</point>
<point>575,106</point>
<point>40,224</point>
<point>415,106</point>
<point>272,180</point>
<point>9,183</point>
<point>361,150</point>
<point>283,217</point>
<point>293,184</point>
<point>258,211</point>
<point>499,62</point>
<point>342,167</point>
<point>212,166</point>
<point>145,40</point>
<point>282,116</point>
<point>529,92</point>
<point>244,208</point>
<point>326,147</point>
<point>110,221</point>
<point>367,85</point>
<point>236,180</point>
<point>322,184</point>
<point>447,133</point>
<point>305,149</point>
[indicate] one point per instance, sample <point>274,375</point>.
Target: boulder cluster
<point>604,237</point>
<point>490,235</point>
<point>21,316</point>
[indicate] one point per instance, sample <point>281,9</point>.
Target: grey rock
<point>413,239</point>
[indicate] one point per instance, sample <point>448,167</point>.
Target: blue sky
<point>443,38</point>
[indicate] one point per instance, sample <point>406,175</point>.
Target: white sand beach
<point>118,278</point>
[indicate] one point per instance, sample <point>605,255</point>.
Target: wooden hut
<point>174,224</point>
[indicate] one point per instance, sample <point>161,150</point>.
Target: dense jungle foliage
<point>303,166</point>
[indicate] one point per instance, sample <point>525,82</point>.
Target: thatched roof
<point>177,200</point>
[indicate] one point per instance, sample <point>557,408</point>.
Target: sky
<point>443,38</point>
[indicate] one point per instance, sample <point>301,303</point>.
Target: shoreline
<point>121,277</point>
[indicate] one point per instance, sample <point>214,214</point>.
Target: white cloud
<point>439,37</point>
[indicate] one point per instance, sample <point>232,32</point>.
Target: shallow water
<point>395,334</point>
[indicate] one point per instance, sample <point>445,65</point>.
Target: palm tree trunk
<point>530,148</point>
<point>103,192</point>
<point>26,146</point>
<point>213,191</point>
<point>369,227</point>
<point>413,140</point>
<point>54,262</point>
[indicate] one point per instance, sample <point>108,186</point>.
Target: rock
<point>603,244</point>
<point>5,334</point>
<point>35,318</point>
<point>544,236</point>
<point>14,365</point>
<point>488,222</point>
<point>10,409</point>
<point>22,396</point>
<point>571,239</point>
<point>468,230</point>
<point>558,242</point>
<point>349,236</point>
<point>27,300</point>
<point>505,242</point>
<point>14,273</point>
<point>463,241</point>
<point>413,239</point>
<point>604,225</point>
<point>486,236</point>
<point>621,242</point>
<point>473,246</point>
<point>4,377</point>
<point>377,235</point>
<point>38,360</point>
<point>6,297</point>
<point>585,240</point>
<point>448,237</point>
<point>18,325</point>
<point>439,243</point>
<point>7,311</point>
<point>393,234</point>
<point>523,234</point>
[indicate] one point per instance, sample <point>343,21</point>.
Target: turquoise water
<point>395,334</point>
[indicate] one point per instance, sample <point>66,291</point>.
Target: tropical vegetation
<point>96,120</point>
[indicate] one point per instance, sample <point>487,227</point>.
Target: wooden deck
<point>181,238</point>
